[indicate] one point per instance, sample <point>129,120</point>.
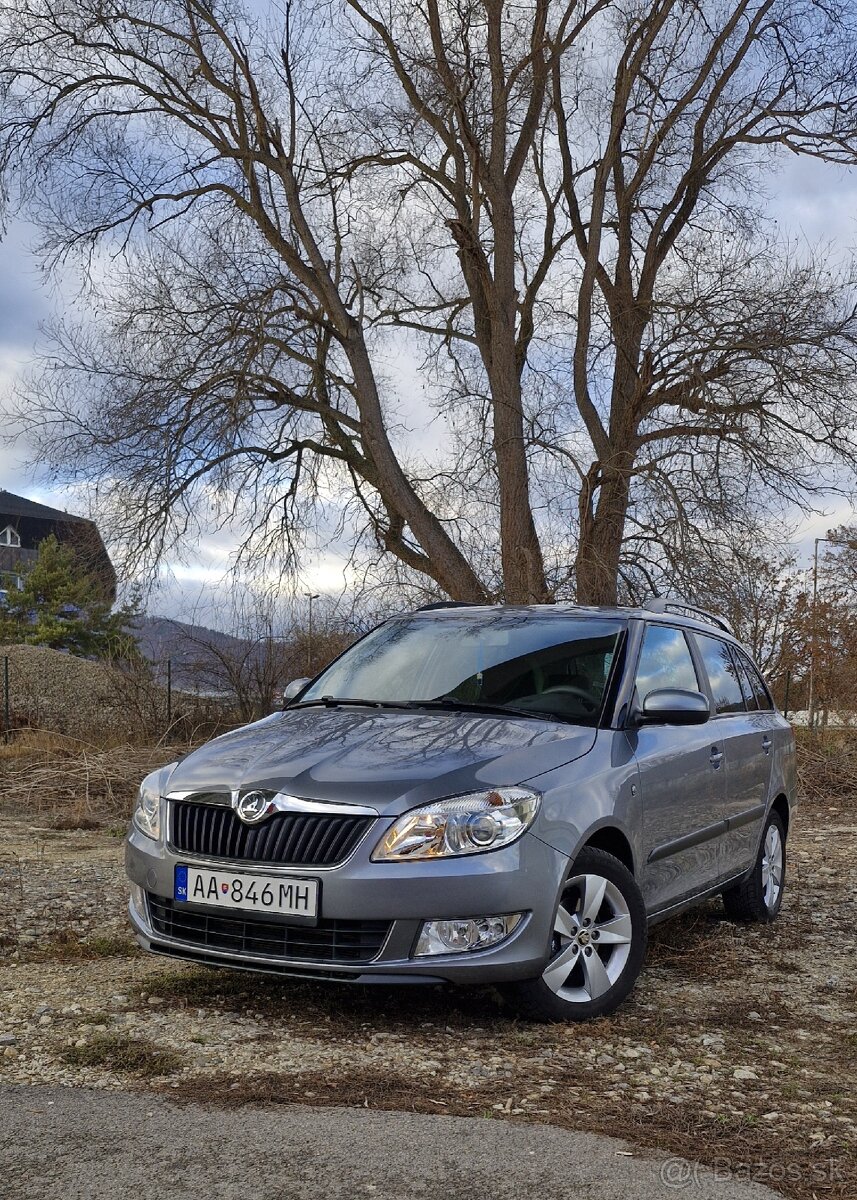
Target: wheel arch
<point>612,840</point>
<point>780,805</point>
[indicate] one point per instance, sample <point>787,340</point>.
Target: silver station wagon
<point>473,795</point>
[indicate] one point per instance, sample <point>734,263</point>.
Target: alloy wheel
<point>772,867</point>
<point>591,940</point>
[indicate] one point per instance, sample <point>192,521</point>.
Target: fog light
<point>460,934</point>
<point>138,900</point>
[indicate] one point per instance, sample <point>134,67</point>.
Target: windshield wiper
<point>452,702</point>
<point>448,703</point>
<point>338,701</point>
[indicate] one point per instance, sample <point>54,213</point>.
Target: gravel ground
<point>737,1048</point>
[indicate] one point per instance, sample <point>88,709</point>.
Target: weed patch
<point>67,946</point>
<point>128,1056</point>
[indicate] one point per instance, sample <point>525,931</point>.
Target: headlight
<point>147,811</point>
<point>468,824</point>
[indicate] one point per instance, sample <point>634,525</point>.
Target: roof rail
<point>444,604</point>
<point>665,604</point>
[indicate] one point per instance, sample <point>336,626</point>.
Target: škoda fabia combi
<point>505,795</point>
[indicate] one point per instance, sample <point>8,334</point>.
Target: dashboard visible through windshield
<point>555,666</point>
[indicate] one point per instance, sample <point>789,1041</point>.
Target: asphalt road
<point>74,1144</point>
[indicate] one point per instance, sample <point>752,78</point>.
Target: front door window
<point>665,662</point>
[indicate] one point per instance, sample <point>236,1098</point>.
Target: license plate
<point>247,893</point>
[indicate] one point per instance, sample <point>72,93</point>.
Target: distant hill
<point>160,639</point>
<point>254,669</point>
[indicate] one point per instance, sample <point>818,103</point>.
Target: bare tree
<point>560,204</point>
<point>839,557</point>
<point>832,627</point>
<point>267,645</point>
<point>757,586</point>
<point>250,667</point>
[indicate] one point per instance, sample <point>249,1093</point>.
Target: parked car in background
<point>506,795</point>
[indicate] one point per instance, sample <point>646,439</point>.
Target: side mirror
<point>294,689</point>
<point>674,706</point>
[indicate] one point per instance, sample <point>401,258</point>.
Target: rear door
<point>682,780</point>
<point>767,724</point>
<point>746,732</point>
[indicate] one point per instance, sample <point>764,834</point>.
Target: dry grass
<point>363,1088</point>
<point>128,1056</point>
<point>71,785</point>
<point>19,743</point>
<point>76,819</point>
<point>66,946</point>
<point>692,941</point>
<point>827,765</point>
<point>742,1141</point>
<point>208,985</point>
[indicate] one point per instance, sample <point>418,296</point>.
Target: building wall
<point>11,557</point>
<point>81,535</point>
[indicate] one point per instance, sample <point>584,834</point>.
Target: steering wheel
<point>569,689</point>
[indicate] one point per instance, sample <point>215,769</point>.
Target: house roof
<point>33,522</point>
<point>18,506</point>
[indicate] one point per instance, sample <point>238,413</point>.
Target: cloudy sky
<point>809,199</point>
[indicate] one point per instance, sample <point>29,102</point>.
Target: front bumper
<point>524,877</point>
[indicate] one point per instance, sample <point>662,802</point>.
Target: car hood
<point>385,758</point>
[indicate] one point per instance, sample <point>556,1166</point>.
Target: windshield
<point>552,665</point>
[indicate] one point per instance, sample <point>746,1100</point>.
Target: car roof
<point>452,609</point>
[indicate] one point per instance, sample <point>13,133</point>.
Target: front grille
<point>291,839</point>
<point>332,941</point>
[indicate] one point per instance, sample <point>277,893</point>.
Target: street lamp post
<point>309,656</point>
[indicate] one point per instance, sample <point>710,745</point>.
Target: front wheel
<point>597,946</point>
<point>759,896</point>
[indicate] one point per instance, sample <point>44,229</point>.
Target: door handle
<point>716,757</point>
<point>766,744</point>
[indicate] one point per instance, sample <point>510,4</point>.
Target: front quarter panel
<point>601,789</point>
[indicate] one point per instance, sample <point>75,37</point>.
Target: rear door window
<point>760,691</point>
<point>665,662</point>
<point>722,674</point>
<point>745,681</point>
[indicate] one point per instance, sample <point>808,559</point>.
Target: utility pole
<point>309,655</point>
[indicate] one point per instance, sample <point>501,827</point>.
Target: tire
<point>759,895</point>
<point>600,898</point>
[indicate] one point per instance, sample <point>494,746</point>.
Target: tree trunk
<point>605,492</point>
<point>602,527</point>
<point>520,551</point>
<point>439,558</point>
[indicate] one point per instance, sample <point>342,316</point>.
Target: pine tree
<point>63,607</point>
